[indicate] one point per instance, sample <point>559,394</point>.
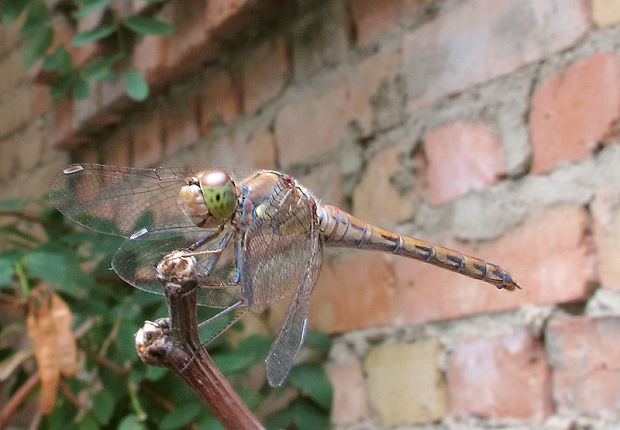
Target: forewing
<point>136,260</point>
<point>120,200</point>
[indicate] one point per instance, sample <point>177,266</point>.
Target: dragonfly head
<point>209,198</point>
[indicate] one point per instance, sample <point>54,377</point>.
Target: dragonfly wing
<point>285,348</point>
<point>276,245</point>
<point>120,200</point>
<point>136,260</point>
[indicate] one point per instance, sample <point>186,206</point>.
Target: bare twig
<point>18,398</point>
<point>174,343</point>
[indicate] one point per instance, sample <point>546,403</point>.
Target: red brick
<point>606,222</point>
<point>477,41</point>
<point>219,11</point>
<point>8,150</point>
<point>264,72</point>
<point>40,101</point>
<point>148,141</point>
<point>262,149</point>
<point>350,403</point>
<point>312,124</point>
<point>149,59</point>
<point>573,110</point>
<point>9,34</point>
<point>550,255</point>
<point>584,354</point>
<point>373,18</point>
<point>462,157</point>
<point>14,109</point>
<point>63,121</point>
<point>219,101</point>
<point>375,198</point>
<point>117,149</point>
<point>181,127</point>
<point>12,70</point>
<point>353,293</point>
<point>318,119</point>
<point>188,45</point>
<point>502,379</point>
<point>325,183</point>
<point>31,144</point>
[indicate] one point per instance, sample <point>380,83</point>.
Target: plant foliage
<point>105,385</point>
<point>113,31</point>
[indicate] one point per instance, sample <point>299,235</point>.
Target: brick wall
<point>490,126</point>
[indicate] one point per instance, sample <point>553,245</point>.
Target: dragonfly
<point>256,238</point>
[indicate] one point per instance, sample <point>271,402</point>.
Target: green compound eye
<point>218,191</point>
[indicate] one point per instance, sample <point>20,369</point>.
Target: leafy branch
<point>111,33</point>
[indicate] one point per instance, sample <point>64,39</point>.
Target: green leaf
<point>179,417</point>
<point>144,25</point>
<point>319,341</point>
<point>103,406</point>
<point>60,60</point>
<point>136,86</point>
<point>88,36</point>
<point>88,7</point>
<point>308,416</point>
<point>232,362</point>
<point>39,42</point>
<point>210,423</point>
<point>88,423</point>
<point>8,259</point>
<point>38,17</point>
<point>12,205</point>
<point>100,68</point>
<point>131,422</point>
<point>63,84</point>
<point>312,380</point>
<point>11,9</point>
<point>56,266</point>
<point>81,90</point>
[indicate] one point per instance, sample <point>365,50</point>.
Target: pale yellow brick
<point>405,385</point>
<point>606,12</point>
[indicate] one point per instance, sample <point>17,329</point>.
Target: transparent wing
<point>280,253</point>
<point>285,348</point>
<point>120,200</point>
<point>136,260</point>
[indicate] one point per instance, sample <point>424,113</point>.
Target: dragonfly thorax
<point>209,198</point>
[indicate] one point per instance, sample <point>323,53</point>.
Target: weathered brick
<point>31,143</point>
<point>14,109</point>
<point>477,41</point>
<point>550,256</point>
<point>320,40</point>
<point>375,198</point>
<point>405,385</point>
<point>262,149</point>
<point>462,157</point>
<point>350,403</point>
<point>584,354</point>
<point>312,124</point>
<point>325,183</point>
<point>219,101</point>
<point>503,379</point>
<point>40,101</point>
<point>188,46</point>
<point>8,149</point>
<point>317,120</point>
<point>62,128</point>
<point>353,293</point>
<point>117,149</point>
<point>373,18</point>
<point>9,34</point>
<point>264,74</point>
<point>219,11</point>
<point>605,12</point>
<point>149,59</point>
<point>12,70</point>
<point>573,110</point>
<point>181,127</point>
<point>148,141</point>
<point>605,210</point>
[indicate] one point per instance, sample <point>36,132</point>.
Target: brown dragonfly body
<point>341,229</point>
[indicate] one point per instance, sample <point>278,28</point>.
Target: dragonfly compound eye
<point>218,191</point>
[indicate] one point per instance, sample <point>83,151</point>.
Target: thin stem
<point>18,398</point>
<point>23,281</point>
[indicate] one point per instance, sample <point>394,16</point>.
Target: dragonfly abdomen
<point>341,229</point>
